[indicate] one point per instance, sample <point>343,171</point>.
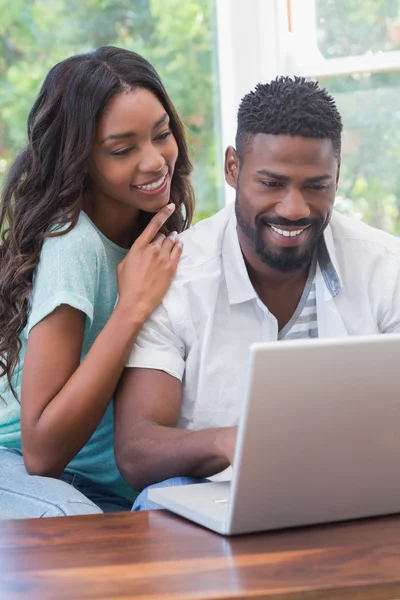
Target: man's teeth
<point>287,233</point>
<point>152,186</point>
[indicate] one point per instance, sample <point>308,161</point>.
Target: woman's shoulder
<point>68,272</point>
<point>82,240</point>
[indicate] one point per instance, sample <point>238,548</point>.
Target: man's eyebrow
<point>278,177</point>
<point>318,178</point>
<point>272,175</point>
<point>128,134</point>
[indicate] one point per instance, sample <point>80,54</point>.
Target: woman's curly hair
<point>45,185</point>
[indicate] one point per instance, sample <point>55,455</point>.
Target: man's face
<point>285,191</point>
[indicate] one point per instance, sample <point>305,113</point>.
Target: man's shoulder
<point>203,242</point>
<point>348,230</point>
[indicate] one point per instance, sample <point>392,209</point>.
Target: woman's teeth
<point>287,233</point>
<point>152,186</point>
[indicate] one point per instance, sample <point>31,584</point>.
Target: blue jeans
<point>142,501</point>
<point>24,496</point>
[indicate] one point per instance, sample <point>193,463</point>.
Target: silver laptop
<point>318,439</point>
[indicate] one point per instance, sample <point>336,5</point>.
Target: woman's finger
<point>176,251</point>
<point>159,239</point>
<point>169,242</point>
<point>148,235</point>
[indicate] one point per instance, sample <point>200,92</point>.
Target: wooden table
<point>156,555</point>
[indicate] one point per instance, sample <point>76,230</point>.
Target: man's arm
<point>148,446</point>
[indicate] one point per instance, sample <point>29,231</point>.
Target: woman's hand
<point>146,272</point>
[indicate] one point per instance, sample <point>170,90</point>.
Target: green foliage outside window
<point>178,38</point>
<point>175,36</point>
<point>370,174</point>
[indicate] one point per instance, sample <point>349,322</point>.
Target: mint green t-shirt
<point>78,269</point>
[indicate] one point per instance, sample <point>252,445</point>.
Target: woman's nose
<point>151,160</point>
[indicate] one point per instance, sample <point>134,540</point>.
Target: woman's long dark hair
<point>47,181</point>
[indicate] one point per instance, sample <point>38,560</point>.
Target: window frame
<point>257,42</point>
<point>251,44</point>
<point>301,13</point>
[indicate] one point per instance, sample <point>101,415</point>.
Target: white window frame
<point>250,34</point>
<point>255,45</point>
<point>304,57</point>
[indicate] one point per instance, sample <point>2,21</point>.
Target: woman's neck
<point>117,221</point>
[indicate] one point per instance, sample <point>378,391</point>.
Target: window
<point>370,174</point>
<point>352,47</point>
<point>177,37</point>
<point>357,28</point>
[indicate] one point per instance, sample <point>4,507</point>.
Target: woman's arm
<point>62,401</point>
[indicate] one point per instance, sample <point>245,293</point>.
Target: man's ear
<point>338,176</point>
<point>231,166</point>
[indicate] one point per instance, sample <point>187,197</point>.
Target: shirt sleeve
<point>389,321</point>
<point>158,347</point>
<point>67,274</point>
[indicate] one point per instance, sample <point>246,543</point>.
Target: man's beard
<point>285,260</point>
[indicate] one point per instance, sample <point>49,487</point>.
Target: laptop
<point>318,439</point>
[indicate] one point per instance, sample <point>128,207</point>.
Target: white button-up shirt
<point>202,331</point>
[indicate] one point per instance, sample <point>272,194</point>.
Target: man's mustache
<point>280,221</point>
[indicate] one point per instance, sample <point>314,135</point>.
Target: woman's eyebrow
<point>127,134</point>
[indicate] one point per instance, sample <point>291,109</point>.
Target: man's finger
<point>148,235</point>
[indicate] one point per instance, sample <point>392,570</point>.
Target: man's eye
<point>271,183</point>
<point>318,187</point>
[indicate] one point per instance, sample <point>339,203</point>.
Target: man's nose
<point>293,206</point>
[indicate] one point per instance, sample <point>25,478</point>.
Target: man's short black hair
<point>287,106</point>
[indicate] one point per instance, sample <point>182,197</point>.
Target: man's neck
<point>280,292</point>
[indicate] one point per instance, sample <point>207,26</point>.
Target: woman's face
<point>134,153</point>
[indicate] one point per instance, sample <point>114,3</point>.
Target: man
<point>276,265</point>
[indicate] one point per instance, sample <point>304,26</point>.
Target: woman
<point>106,151</point>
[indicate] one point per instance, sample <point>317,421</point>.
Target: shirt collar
<point>328,263</point>
<point>239,286</point>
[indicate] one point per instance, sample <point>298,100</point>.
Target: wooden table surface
<point>152,555</point>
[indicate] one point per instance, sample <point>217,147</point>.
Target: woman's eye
<point>122,152</point>
<point>163,136</point>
